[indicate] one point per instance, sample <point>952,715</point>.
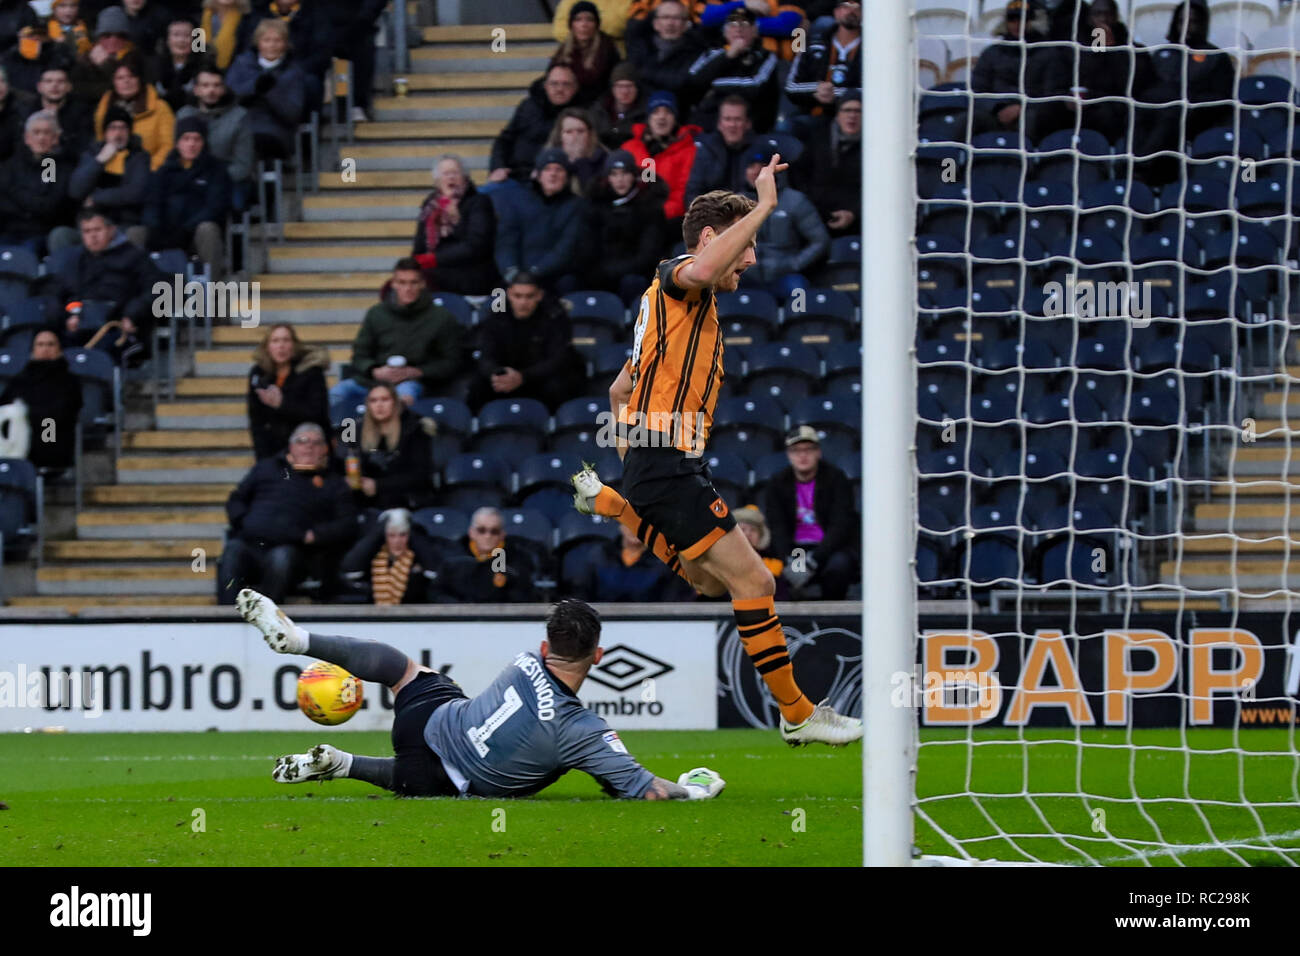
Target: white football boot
<point>825,726</point>
<point>586,485</point>
<point>322,762</point>
<point>282,635</point>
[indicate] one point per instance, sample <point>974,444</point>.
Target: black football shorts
<point>418,771</point>
<point>674,493</point>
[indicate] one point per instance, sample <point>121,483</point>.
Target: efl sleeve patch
<point>615,744</point>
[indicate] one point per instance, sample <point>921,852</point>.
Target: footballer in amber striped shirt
<point>663,400</point>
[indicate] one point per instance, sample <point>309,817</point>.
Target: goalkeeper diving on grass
<point>517,737</point>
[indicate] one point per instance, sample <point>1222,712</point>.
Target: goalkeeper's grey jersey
<point>525,732</point>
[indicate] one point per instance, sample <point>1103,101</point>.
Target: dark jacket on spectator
<point>14,15</point>
<point>121,195</point>
<point>717,165</point>
<point>146,29</point>
<point>402,474</point>
<point>830,174</point>
<point>543,234</point>
<point>594,81</point>
<point>793,238</point>
<point>17,106</point>
<point>813,66</point>
<point>648,579</point>
<point>998,70</point>
<point>466,580</point>
<point>181,198</point>
<point>33,202</point>
<point>356,564</point>
<point>517,146</point>
<point>230,135</point>
<point>464,256</point>
<point>90,81</point>
<point>613,125</point>
<point>275,111</point>
<point>176,83</point>
<point>50,390</point>
<point>752,75</point>
<point>539,347</point>
<point>76,128</point>
<point>630,234</point>
<point>310,33</point>
<point>833,506</point>
<point>426,335</point>
<point>661,66</point>
<point>304,399</point>
<point>122,274</point>
<point>278,504</point>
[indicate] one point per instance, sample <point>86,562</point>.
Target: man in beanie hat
<point>541,227</point>
<point>665,151</point>
<point>189,199</point>
<point>92,76</point>
<point>113,175</point>
<point>741,66</point>
<point>621,108</point>
<point>663,46</point>
<point>589,52</point>
<point>629,223</point>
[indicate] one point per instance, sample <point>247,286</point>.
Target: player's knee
<point>712,588</point>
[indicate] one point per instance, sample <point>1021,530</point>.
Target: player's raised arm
<point>713,261</point>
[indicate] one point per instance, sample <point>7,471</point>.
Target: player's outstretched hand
<point>765,184</point>
<point>701,783</point>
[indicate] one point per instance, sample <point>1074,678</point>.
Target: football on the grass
<point>328,694</point>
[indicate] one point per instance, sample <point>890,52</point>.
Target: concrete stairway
<point>154,537</point>
<point>1246,537</point>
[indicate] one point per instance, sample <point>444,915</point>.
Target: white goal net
<point>1108,665</point>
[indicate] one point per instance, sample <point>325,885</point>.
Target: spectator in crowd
<point>310,38</point>
<point>663,46</point>
<point>774,22</point>
<point>230,134</point>
<point>189,201</point>
<point>527,351</point>
<point>32,54</point>
<point>516,147</point>
<point>52,395</point>
<point>394,453</point>
<point>76,122</point>
<point>741,66</point>
<point>14,16</point>
<point>1079,75</point>
<point>404,340</point>
<point>830,65</point>
<point>15,107</point>
<point>151,118</point>
<point>272,88</point>
<point>620,108</point>
<point>793,238</point>
<point>34,205</point>
<point>66,28</point>
<point>220,24</point>
<point>630,229</point>
<point>588,51</point>
<point>92,76</point>
<point>1009,70</point>
<point>613,18</point>
<point>668,150</point>
<point>829,172</point>
<point>287,512</point>
<point>352,28</point>
<point>178,65</point>
<point>813,517</point>
<point>146,23</point>
<point>1189,77</point>
<point>390,560</point>
<point>753,525</point>
<point>541,228</point>
<point>455,237</point>
<point>626,570</point>
<point>575,133</point>
<point>113,175</point>
<point>111,269</point>
<point>492,572</point>
<point>286,387</point>
<point>721,156</point>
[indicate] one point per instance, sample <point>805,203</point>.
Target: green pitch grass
<point>131,799</point>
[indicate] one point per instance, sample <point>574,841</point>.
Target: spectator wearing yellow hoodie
<point>152,119</point>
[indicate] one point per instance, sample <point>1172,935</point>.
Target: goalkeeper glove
<point>701,783</point>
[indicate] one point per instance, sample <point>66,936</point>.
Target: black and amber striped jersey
<point>676,365</point>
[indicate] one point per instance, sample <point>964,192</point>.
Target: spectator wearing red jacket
<point>672,148</point>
